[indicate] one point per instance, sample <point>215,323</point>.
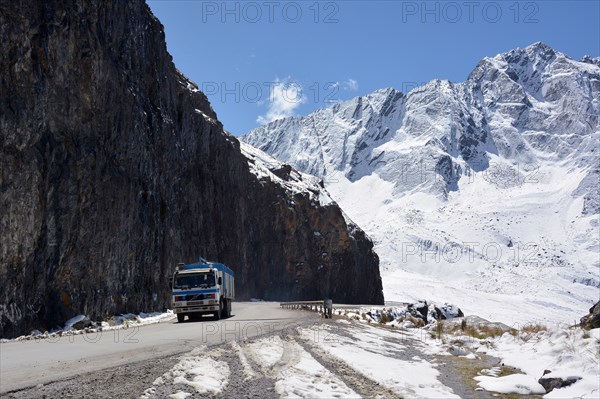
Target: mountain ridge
<point>523,127</point>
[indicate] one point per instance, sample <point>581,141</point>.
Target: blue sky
<point>261,60</point>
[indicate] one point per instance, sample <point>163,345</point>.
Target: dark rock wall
<point>112,171</point>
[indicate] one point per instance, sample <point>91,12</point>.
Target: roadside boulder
<point>419,310</point>
<point>550,383</point>
<point>444,312</point>
<point>83,324</point>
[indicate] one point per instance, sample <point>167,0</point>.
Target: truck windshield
<point>189,281</point>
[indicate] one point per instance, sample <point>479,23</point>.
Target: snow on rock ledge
<point>265,166</point>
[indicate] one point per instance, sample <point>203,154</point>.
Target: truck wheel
<point>229,308</point>
<point>180,317</point>
<point>219,312</point>
<point>224,309</point>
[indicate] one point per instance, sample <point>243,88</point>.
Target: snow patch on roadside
<point>197,370</point>
<point>179,395</point>
<point>121,322</point>
<point>72,321</point>
<point>266,352</point>
<point>202,373</point>
<point>141,319</point>
<point>515,383</point>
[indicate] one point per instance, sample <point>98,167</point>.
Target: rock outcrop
<point>445,312</point>
<point>552,383</point>
<point>114,168</point>
<point>592,320</point>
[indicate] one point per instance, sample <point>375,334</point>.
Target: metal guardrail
<point>325,307</point>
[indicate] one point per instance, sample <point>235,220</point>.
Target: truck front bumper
<point>197,309</point>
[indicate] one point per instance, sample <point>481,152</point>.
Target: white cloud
<point>350,84</point>
<point>284,97</point>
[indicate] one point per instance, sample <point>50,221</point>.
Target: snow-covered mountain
<point>484,192</point>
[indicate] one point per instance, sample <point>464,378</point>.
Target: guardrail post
<point>328,308</point>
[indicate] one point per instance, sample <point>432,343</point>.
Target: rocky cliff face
<point>114,168</point>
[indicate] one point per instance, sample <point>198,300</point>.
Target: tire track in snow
<point>361,384</point>
<point>294,371</point>
<point>245,381</point>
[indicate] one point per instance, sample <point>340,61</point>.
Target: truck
<point>202,288</point>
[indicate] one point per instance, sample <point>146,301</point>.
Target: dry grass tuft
<point>534,328</point>
<point>439,329</point>
<point>384,318</point>
<point>479,331</point>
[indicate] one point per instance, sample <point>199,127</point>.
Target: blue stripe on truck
<point>194,292</point>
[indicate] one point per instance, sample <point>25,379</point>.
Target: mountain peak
<point>539,46</point>
<point>534,53</point>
